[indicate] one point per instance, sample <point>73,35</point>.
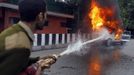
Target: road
<point>99,60</point>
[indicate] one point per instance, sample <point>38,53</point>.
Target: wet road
<point>99,60</point>
<point>125,66</point>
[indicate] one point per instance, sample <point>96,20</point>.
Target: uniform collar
<point>27,29</point>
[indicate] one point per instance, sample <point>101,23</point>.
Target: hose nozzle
<point>56,56</point>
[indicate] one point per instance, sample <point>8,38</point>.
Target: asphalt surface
<point>125,66</point>
<point>99,60</point>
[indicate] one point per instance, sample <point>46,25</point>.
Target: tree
<point>127,10</point>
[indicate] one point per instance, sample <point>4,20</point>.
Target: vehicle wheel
<point>109,42</point>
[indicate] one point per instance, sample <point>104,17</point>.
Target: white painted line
<point>63,38</point>
<point>43,40</point>
<point>73,37</point>
<point>68,38</point>
<point>57,38</point>
<point>35,40</point>
<point>50,39</point>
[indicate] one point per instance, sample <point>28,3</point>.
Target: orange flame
<point>96,19</point>
<point>118,34</point>
<point>103,17</point>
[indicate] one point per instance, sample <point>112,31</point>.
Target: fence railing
<point>56,39</point>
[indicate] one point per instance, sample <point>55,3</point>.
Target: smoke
<point>78,47</point>
<point>112,5</point>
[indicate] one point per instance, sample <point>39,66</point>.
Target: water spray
<point>79,44</point>
<point>73,49</point>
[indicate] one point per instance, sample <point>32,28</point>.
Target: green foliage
<point>127,13</point>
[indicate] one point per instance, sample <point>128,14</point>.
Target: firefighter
<point>16,41</point>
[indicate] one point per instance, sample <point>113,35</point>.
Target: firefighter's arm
<point>47,61</point>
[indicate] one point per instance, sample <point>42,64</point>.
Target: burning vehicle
<point>126,36</point>
<point>105,14</point>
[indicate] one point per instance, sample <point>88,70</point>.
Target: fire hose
<point>56,56</point>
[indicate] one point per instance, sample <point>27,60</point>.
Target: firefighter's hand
<point>47,61</point>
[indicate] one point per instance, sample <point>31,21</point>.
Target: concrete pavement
<point>129,48</point>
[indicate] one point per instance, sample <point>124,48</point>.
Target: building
<point>60,29</point>
<point>59,15</point>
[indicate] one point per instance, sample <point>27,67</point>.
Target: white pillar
<point>84,36</point>
<point>63,38</point>
<point>57,38</point>
<point>73,37</point>
<point>79,36</point>
<point>35,40</point>
<point>89,36</point>
<point>50,39</point>
<point>43,40</point>
<point>68,38</point>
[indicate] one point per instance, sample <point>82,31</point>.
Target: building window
<point>14,20</point>
<point>63,24</point>
<point>47,23</point>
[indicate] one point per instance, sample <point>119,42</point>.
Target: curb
<point>48,47</point>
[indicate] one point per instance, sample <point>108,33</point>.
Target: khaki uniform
<point>15,45</point>
<point>17,36</point>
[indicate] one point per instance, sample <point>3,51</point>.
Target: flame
<point>96,19</point>
<point>118,34</point>
<point>104,17</point>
